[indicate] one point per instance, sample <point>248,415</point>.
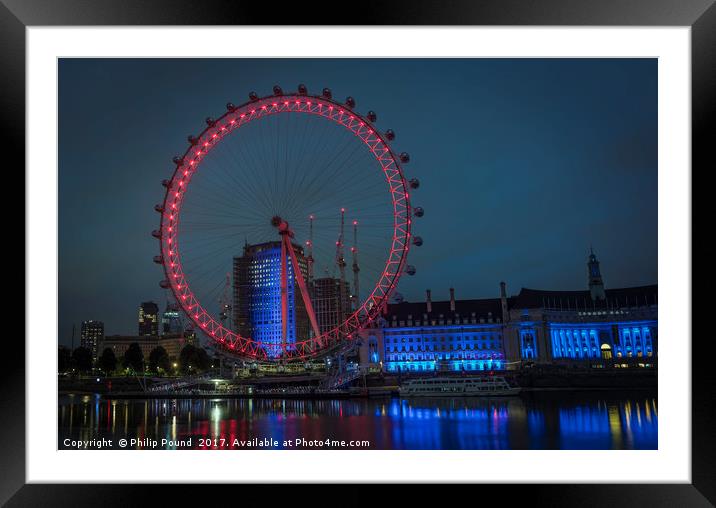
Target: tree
<point>159,360</point>
<point>133,357</point>
<point>82,359</point>
<point>193,359</point>
<point>64,359</point>
<point>107,362</point>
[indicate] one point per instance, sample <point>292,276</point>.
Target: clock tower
<point>596,285</point>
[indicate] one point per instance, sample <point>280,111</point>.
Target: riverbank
<point>376,385</point>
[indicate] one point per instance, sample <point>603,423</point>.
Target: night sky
<point>523,163</point>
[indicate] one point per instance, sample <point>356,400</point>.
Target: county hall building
<point>594,327</point>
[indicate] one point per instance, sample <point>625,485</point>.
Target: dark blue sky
<point>524,163</point>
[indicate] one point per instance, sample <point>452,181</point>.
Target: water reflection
<point>564,420</point>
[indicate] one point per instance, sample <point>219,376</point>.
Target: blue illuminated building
<point>596,328</point>
<point>257,297</point>
<point>465,335</point>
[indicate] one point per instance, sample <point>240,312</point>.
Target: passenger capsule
<point>350,102</point>
<point>166,183</point>
<point>178,160</point>
<point>372,117</point>
<point>158,208</point>
<point>302,90</point>
<point>418,211</point>
<point>156,233</point>
<point>253,97</point>
<point>417,241</point>
<point>404,157</point>
<point>410,270</point>
<point>193,140</point>
<point>210,121</point>
<point>390,135</point>
<point>414,183</point>
<point>277,90</point>
<point>327,93</point>
<point>164,284</point>
<point>158,259</point>
<point>230,106</point>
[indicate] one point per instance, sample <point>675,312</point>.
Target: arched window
<point>606,351</point>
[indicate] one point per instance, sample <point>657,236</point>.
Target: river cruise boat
<point>487,386</point>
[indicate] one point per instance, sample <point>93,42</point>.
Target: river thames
<point>575,420</point>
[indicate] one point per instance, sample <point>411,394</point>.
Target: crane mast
<point>309,244</point>
<point>341,262</point>
<point>356,268</point>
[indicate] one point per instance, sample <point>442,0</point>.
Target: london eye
<point>286,225</point>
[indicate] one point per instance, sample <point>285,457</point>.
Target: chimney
<point>429,301</point>
<point>452,299</point>
<point>503,302</point>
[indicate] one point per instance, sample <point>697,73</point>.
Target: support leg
<point>284,296</point>
<point>302,287</point>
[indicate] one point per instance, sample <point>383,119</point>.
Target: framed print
<point>440,244</point>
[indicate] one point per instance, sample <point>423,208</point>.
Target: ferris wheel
<point>263,210</point>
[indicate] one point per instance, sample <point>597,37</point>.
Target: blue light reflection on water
<point>557,420</point>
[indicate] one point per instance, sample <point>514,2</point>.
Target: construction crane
<point>224,305</point>
<point>341,262</point>
<point>356,268</point>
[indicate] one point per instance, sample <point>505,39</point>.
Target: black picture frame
<point>700,15</point>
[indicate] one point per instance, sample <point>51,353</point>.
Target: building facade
<point>91,336</point>
<point>173,343</point>
<point>596,327</point>
<point>453,335</point>
<point>120,343</point>
<point>148,319</point>
<point>257,297</point>
<point>330,304</point>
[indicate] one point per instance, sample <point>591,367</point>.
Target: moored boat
<point>483,386</point>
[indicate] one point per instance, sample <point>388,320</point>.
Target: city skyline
<point>564,163</point>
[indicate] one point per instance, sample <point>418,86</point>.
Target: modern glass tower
<point>257,297</point>
<point>171,320</point>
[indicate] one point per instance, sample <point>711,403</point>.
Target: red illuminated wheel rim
<point>189,167</point>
